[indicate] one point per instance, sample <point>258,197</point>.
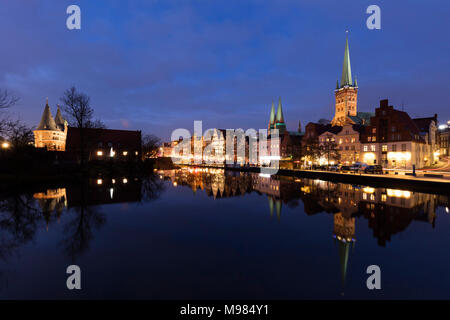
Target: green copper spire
<point>270,205</point>
<point>272,114</point>
<point>346,69</point>
<point>280,117</point>
<point>344,249</point>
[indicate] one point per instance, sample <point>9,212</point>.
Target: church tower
<point>346,93</point>
<point>271,119</point>
<point>279,119</point>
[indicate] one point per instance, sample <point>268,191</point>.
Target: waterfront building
<point>428,128</point>
<point>103,144</point>
<point>394,140</point>
<point>328,145</point>
<point>444,138</point>
<point>51,133</point>
<point>348,140</point>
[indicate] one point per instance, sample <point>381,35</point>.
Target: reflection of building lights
<point>5,145</point>
<point>398,193</point>
<point>399,156</point>
<point>175,183</point>
<point>99,153</point>
<point>113,181</point>
<point>125,180</point>
<point>446,209</point>
<point>99,181</point>
<point>112,153</point>
<point>369,190</point>
<point>111,192</point>
<point>306,189</point>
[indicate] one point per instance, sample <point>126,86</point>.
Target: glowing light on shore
<point>5,145</point>
<point>399,156</point>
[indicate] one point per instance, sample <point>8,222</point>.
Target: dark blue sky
<point>158,65</point>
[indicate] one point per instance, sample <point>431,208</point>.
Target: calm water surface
<point>209,234</point>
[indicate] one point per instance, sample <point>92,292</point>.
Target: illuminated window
<point>125,153</point>
<point>394,147</point>
<point>384,148</point>
<point>372,147</point>
<point>366,148</point>
<point>99,153</point>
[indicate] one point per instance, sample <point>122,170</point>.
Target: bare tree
<point>329,149</point>
<point>77,106</point>
<point>6,99</point>
<point>19,134</point>
<point>311,150</point>
<point>150,145</point>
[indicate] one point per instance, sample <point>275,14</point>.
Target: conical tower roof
<point>344,249</point>
<point>272,114</point>
<point>47,121</point>
<point>279,117</point>
<point>346,79</point>
<point>59,119</point>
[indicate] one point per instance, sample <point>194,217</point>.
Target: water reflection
<point>80,213</point>
<point>23,213</point>
<point>388,211</point>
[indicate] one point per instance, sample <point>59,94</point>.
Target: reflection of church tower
<point>344,232</point>
<point>270,205</point>
<point>278,209</point>
<point>346,93</point>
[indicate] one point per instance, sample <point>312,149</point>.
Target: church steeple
<point>279,120</point>
<point>346,79</point>
<point>280,117</point>
<point>346,93</point>
<point>272,117</point>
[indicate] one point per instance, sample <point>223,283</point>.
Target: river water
<point>210,234</point>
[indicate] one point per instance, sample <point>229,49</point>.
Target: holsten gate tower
<point>51,133</point>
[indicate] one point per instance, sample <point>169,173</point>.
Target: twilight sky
<point>158,65</point>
